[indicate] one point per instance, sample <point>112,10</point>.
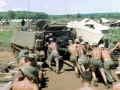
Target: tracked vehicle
<point>37,37</point>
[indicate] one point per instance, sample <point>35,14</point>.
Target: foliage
<point>23,15</point>
<point>42,15</point>
<point>5,38</point>
<point>114,33</point>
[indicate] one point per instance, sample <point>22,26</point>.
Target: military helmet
<point>31,47</point>
<point>94,44</point>
<point>69,41</point>
<point>76,40</point>
<point>83,42</point>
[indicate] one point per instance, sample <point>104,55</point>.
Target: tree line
<point>42,15</point>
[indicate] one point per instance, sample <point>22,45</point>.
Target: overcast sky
<point>57,7</point>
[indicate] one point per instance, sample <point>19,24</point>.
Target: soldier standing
<point>53,49</point>
<point>72,48</point>
<point>82,60</point>
<point>97,63</point>
<point>108,63</point>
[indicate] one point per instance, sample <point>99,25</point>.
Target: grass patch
<point>114,33</point>
<point>5,39</point>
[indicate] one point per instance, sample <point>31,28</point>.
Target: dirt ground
<point>66,80</point>
<point>6,56</point>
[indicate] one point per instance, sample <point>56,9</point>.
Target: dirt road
<point>68,81</point>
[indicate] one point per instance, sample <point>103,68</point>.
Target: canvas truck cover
<point>22,38</point>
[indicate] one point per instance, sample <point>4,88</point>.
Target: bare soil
<point>6,56</point>
<point>68,81</point>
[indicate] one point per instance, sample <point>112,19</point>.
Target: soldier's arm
<point>68,49</point>
<point>115,47</point>
<point>19,65</point>
<point>84,49</point>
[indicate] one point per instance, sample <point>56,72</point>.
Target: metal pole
<point>28,5</point>
<point>28,10</point>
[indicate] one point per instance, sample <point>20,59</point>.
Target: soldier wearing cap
<point>28,74</point>
<point>22,53</point>
<point>54,54</point>
<point>82,59</point>
<point>116,86</point>
<point>108,63</point>
<point>73,55</point>
<point>31,60</point>
<point>97,63</point>
<point>80,39</point>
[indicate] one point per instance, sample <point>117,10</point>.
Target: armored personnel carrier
<point>39,35</point>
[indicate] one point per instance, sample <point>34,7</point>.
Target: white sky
<point>62,6</point>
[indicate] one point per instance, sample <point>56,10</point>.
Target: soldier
<point>53,49</point>
<point>31,60</point>
<point>73,55</point>
<point>80,38</point>
<point>86,80</point>
<point>116,86</point>
<point>38,55</point>
<point>23,22</point>
<point>22,53</point>
<point>82,60</point>
<point>117,46</point>
<point>97,63</point>
<point>108,63</point>
<point>27,76</point>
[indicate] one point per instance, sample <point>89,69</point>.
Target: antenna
<point>28,9</point>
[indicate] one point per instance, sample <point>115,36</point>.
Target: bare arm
<point>19,65</point>
<point>84,49</point>
<point>115,47</point>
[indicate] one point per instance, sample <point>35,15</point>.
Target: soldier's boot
<point>95,83</point>
<point>107,86</point>
<point>57,71</point>
<point>77,75</point>
<point>50,68</point>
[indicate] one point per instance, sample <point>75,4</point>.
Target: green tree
<point>11,14</point>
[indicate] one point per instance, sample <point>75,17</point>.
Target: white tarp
<point>96,25</point>
<point>104,20</point>
<point>88,34</point>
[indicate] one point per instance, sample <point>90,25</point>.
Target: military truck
<point>37,37</point>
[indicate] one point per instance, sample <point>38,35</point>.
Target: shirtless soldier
<point>97,63</point>
<point>82,60</point>
<point>30,60</point>
<point>117,46</point>
<point>108,63</point>
<point>73,58</point>
<point>86,79</point>
<point>53,49</point>
<point>27,74</point>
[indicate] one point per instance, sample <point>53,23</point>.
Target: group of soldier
<point>98,59</point>
<point>30,70</point>
<point>83,61</point>
<point>30,73</point>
